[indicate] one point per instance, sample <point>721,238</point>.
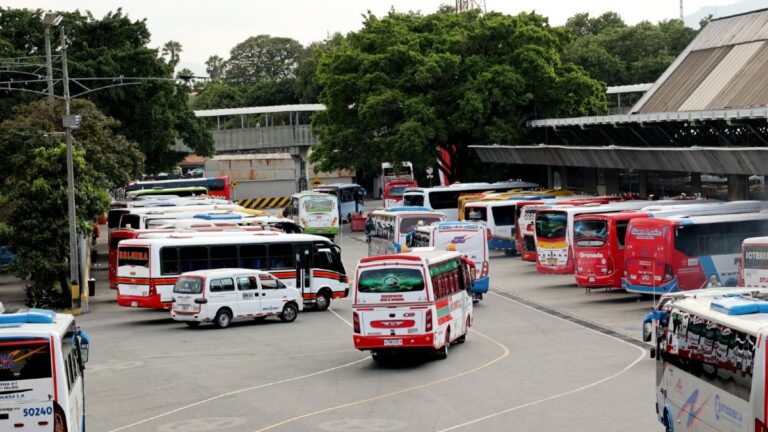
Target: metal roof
<point>260,110</point>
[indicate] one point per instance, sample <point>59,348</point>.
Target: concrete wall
<point>256,175</point>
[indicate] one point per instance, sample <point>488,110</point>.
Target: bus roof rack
<point>408,208</point>
<point>217,216</point>
<point>32,316</point>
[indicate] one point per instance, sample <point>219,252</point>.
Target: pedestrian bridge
<point>268,129</point>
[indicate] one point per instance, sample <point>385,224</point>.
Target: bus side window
<point>281,256</point>
<point>253,257</point>
<point>169,261</point>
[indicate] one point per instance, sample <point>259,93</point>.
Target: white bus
<point>415,300</point>
<point>469,238</point>
<point>388,230</point>
<point>388,173</point>
<point>445,199</point>
<point>147,269</point>
<point>42,357</point>
<point>316,213</point>
<point>709,374</point>
<point>754,262</point>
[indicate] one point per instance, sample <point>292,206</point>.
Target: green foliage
<point>263,57</point>
<point>215,67</point>
<point>153,114</point>
<point>406,85</point>
<point>33,184</point>
<point>172,49</point>
<point>617,54</point>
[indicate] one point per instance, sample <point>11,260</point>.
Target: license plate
<point>591,278</point>
<point>134,304</point>
<point>646,277</point>
<point>551,261</point>
<point>393,342</point>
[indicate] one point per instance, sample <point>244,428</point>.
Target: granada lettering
<point>590,255</point>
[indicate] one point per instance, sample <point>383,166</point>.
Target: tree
<point>581,24</point>
<point>215,67</point>
<point>33,188</point>
<point>185,75</point>
<point>263,57</point>
<point>152,114</point>
<point>407,86</point>
<point>172,50</point>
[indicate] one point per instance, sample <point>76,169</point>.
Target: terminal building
<point>700,128</point>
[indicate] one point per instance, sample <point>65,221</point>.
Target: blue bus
<point>349,195</point>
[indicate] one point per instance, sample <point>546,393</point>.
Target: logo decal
<point>690,408</point>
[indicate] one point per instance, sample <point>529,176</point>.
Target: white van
<point>222,295</point>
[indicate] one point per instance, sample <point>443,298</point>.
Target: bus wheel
<point>290,311</point>
<point>442,353</point>
<point>375,356</point>
<point>323,300</point>
<point>463,338</point>
<point>223,318</point>
<point>192,324</point>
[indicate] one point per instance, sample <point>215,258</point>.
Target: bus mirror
<point>84,349</point>
<point>653,353</point>
<point>84,343</point>
<point>647,332</point>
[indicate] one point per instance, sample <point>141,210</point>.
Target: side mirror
<point>653,353</point>
<point>84,343</point>
<point>647,331</point>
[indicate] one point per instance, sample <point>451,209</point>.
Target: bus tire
<point>463,338</point>
<point>192,324</point>
<point>290,312</point>
<point>442,353</point>
<point>375,355</point>
<point>323,300</point>
<point>223,318</point>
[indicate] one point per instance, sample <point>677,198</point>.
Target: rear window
<point>397,191</point>
<point>24,360</point>
<point>188,285</point>
<point>756,257</point>
<point>591,233</point>
<point>392,280</point>
<point>475,214</point>
<point>551,225</point>
<point>130,220</point>
<point>318,205</point>
<point>416,200</point>
<point>408,224</point>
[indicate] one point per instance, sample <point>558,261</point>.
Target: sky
<point>215,27</point>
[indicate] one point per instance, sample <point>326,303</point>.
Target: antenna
<point>468,5</point>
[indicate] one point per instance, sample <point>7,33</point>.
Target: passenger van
<point>415,300</point>
<point>222,295</point>
<point>317,213</point>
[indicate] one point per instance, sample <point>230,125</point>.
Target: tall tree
<point>407,86</point>
<point>172,49</point>
<point>263,57</point>
<point>153,114</point>
<point>33,188</point>
<point>214,66</point>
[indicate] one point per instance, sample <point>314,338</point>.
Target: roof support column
<point>612,181</point>
<point>590,181</point>
<point>642,183</point>
<point>695,183</point>
<point>737,187</point>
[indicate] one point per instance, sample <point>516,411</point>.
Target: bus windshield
<point>397,280</point>
<point>408,224</point>
<point>318,205</point>
<point>591,233</point>
<point>397,191</point>
<point>551,225</point>
<point>25,360</point>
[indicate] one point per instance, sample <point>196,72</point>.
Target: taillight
<point>152,290</point>
<point>428,319</point>
<point>355,323</point>
<point>484,271</point>
<point>529,227</point>
<point>667,273</point>
<point>760,426</point>
<point>488,235</point>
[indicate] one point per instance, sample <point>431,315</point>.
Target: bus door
<point>303,253</point>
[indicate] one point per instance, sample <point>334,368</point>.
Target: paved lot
<point>521,369</point>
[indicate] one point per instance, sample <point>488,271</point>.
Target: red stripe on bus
<point>53,368</point>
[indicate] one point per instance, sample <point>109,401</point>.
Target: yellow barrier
<point>269,202</point>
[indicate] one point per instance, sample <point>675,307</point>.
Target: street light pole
<point>73,268</point>
<point>49,19</point>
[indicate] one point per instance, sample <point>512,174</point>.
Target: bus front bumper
<point>598,280</point>
<point>393,342</point>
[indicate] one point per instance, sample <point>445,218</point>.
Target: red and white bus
<point>217,186</point>
<point>683,253</point>
<point>394,189</point>
<point>148,268</point>
<point>599,239</point>
<point>754,263</point>
<point>414,300</point>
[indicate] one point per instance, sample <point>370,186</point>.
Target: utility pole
<point>681,10</point>
<point>49,20</point>
<point>70,123</point>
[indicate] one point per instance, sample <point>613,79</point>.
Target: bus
<point>754,262</point>
<point>389,173</point>
<point>42,362</point>
<point>711,364</point>
<point>118,208</point>
<point>316,213</point>
<point>471,239</point>
<point>388,230</point>
<point>217,186</point>
<point>415,300</point>
<point>180,192</point>
<point>350,197</point>
<point>394,189</point>
<point>599,240</point>
<point>147,268</point>
<point>445,199</point>
<point>678,253</point>
<point>499,216</point>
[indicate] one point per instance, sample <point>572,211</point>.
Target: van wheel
<point>192,324</point>
<point>323,300</point>
<point>463,338</point>
<point>290,311</point>
<point>442,353</point>
<point>223,318</point>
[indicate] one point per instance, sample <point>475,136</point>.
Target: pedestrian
<point>712,283</point>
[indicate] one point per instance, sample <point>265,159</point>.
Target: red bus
<point>393,191</point>
<point>599,239</point>
<point>679,253</point>
<point>217,186</point>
